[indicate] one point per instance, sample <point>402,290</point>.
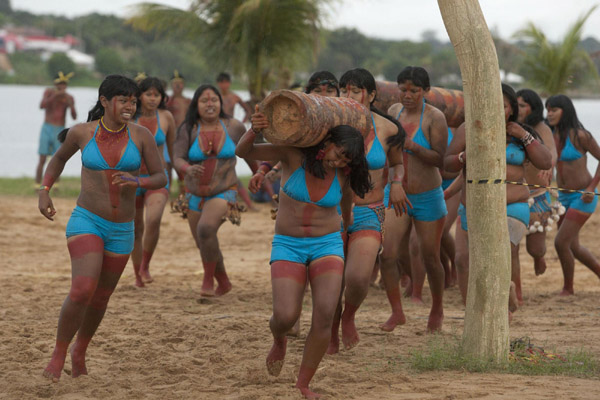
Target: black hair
<point>192,116</point>
<point>417,75</point>
<point>363,79</point>
<point>223,77</point>
<point>511,96</point>
<point>148,84</point>
<point>535,103</point>
<point>111,86</point>
<point>62,135</point>
<point>568,120</point>
<point>349,139</point>
<point>322,78</point>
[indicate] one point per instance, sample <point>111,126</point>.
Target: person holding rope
<point>307,242</point>
<point>100,231</point>
<point>573,142</point>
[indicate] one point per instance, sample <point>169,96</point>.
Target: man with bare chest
<point>230,99</point>
<point>55,101</point>
<point>178,104</point>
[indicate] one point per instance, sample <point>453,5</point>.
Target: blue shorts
<point>304,250</point>
<point>49,139</point>
<point>446,183</point>
<point>117,236</point>
<point>141,191</point>
<point>541,204</point>
<point>195,203</point>
<point>573,200</point>
<point>368,218</point>
<point>462,213</point>
<point>519,211</point>
<point>426,206</point>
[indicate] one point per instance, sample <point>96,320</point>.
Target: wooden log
<point>450,102</point>
<point>302,120</point>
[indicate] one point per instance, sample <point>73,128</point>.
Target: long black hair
<point>322,78</point>
<point>568,120</point>
<point>353,143</point>
<point>111,86</point>
<point>509,93</point>
<point>361,78</point>
<point>147,84</point>
<point>535,103</point>
<point>192,116</point>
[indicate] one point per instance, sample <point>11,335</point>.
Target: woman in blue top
<point>573,141</point>
<point>152,114</point>
<point>427,136</point>
<point>315,180</point>
<point>204,154</point>
<point>100,230</point>
<point>521,144</point>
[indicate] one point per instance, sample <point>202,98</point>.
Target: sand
<point>166,342</point>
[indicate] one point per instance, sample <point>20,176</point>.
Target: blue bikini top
<point>419,136</point>
<point>376,156</point>
<point>227,151</point>
<point>569,152</point>
<point>159,136</point>
<point>92,158</point>
<point>296,188</point>
<point>515,154</point>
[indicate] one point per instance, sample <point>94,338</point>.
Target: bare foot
<point>77,363</point>
<point>308,394</point>
<point>417,300</point>
<point>223,289</point>
<point>276,356</point>
<point>139,282</point>
<point>513,302</point>
<point>539,265</point>
<point>435,322</point>
<point>208,288</point>
<point>334,345</point>
<point>145,274</point>
<point>394,320</point>
<point>349,334</point>
<point>295,331</point>
<point>567,292</point>
<point>55,366</point>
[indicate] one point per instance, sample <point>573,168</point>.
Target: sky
<point>387,19</point>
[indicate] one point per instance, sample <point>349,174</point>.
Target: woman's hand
<point>45,205</point>
<point>398,199</point>
<point>195,170</point>
<point>545,176</point>
<point>256,182</point>
<point>515,130</point>
<point>259,120</point>
<point>121,178</point>
<point>587,198</point>
<point>409,145</point>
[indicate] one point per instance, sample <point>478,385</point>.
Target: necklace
<point>208,139</point>
<point>103,125</point>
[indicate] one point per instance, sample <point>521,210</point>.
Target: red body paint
<point>289,270</point>
<point>84,244</point>
<point>115,264</point>
<point>326,265</point>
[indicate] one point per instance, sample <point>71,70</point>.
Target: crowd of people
<point>349,205</point>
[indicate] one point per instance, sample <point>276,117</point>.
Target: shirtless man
<point>230,99</point>
<point>56,100</point>
<point>178,105</point>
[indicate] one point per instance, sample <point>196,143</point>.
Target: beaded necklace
<point>103,125</point>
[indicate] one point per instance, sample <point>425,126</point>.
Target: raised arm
<point>538,154</point>
<point>246,148</point>
<point>438,137</point>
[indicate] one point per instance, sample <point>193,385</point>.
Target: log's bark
<point>450,102</point>
<point>302,120</point>
<point>486,317</point>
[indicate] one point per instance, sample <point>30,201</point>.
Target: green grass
<point>446,354</point>
<point>67,187</point>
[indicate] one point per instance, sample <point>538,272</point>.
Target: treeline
<point>118,48</point>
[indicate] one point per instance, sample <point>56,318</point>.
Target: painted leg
<point>515,267</point>
<point>208,225</point>
<point>567,233</point>
<point>417,268</point>
<point>137,253</point>
<point>155,202</point>
<point>536,247</point>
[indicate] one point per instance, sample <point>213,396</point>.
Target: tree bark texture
<point>486,318</point>
<point>303,120</point>
<point>448,101</point>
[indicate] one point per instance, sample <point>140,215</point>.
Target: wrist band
<point>44,187</point>
<point>266,164</point>
<point>527,139</point>
<point>261,171</point>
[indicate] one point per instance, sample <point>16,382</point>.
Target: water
<point>21,120</point>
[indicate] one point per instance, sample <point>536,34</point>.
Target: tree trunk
<point>486,318</point>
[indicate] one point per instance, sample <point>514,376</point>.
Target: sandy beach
<point>166,342</point>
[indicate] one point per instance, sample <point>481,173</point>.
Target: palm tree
<point>256,38</point>
<point>551,66</point>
